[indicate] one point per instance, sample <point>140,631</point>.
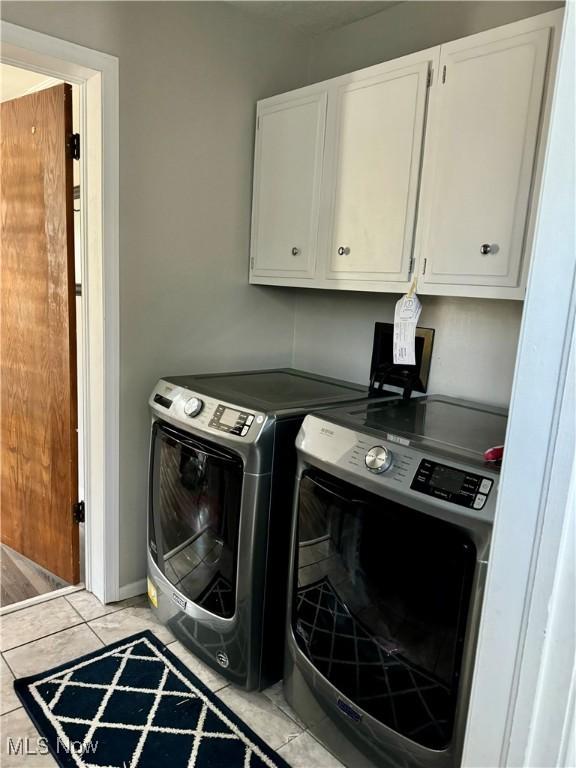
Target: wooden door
<point>38,332</point>
<point>484,117</point>
<point>374,156</point>
<point>287,179</point>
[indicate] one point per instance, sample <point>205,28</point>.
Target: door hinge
<point>74,146</point>
<point>430,75</point>
<point>444,74</point>
<point>424,270</point>
<point>79,512</point>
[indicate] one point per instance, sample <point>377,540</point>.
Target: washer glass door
<point>195,499</point>
<point>380,604</point>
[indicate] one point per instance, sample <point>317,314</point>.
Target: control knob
<point>378,459</point>
<point>193,407</point>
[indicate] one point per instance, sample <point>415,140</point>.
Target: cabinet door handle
<point>343,251</point>
<point>485,249</point>
<point>296,251</point>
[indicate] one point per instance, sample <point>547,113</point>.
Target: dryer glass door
<point>380,605</point>
<point>195,498</point>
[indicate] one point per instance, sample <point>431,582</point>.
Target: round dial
<point>378,459</point>
<point>193,406</point>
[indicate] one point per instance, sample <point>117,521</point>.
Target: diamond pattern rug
<point>133,704</point>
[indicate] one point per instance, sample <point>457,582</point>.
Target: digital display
<point>447,479</point>
<point>228,417</point>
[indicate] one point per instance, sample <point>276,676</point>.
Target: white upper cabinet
<point>373,154</point>
<point>483,127</point>
<point>425,166</point>
<point>287,179</point>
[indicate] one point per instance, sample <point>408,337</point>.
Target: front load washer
<point>391,534</point>
<point>222,465</point>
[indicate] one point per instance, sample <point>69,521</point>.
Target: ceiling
<point>313,18</point>
<point>15,82</point>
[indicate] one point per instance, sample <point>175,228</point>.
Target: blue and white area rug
<point>133,704</point>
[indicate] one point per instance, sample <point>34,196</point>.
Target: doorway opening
<point>91,77</point>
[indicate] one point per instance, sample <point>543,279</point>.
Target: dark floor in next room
<point>21,578</point>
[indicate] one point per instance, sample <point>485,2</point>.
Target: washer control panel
<point>230,420</point>
<point>454,485</point>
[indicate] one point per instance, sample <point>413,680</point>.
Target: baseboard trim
<point>133,589</point>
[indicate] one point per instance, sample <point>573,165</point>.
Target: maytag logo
<point>222,659</point>
<point>179,600</point>
<point>349,711</point>
<point>326,431</point>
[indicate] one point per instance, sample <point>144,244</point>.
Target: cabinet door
<point>483,123</point>
<point>375,155</point>
<point>287,179</point>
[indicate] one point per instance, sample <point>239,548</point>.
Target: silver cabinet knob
<point>343,251</point>
<point>296,251</point>
<point>485,249</point>
<point>193,406</point>
<point>378,459</point>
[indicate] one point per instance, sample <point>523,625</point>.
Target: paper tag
<point>406,315</point>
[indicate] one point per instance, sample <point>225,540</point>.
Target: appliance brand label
<point>222,659</point>
<point>327,432</point>
<point>179,600</point>
<point>396,439</point>
<point>349,711</point>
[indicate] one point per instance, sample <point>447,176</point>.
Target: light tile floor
<point>51,633</point>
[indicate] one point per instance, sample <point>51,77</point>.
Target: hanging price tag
<point>406,315</point>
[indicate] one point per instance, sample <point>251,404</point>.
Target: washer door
<point>380,605</point>
<point>195,499</point>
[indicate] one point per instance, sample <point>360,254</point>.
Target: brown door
<point>39,472</point>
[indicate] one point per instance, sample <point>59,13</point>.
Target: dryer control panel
<point>231,420</point>
<point>192,410</point>
<point>454,485</point>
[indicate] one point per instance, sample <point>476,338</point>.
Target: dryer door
<point>380,605</point>
<point>195,499</point>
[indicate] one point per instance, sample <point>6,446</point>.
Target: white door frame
<point>96,75</point>
<point>522,697</point>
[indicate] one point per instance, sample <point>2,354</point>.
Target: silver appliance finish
<point>383,460</point>
<point>240,647</point>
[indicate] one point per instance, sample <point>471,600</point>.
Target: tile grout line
<point>36,639</point>
<point>70,626</point>
<point>75,609</point>
<point>9,667</point>
<point>96,635</point>
<point>102,615</point>
<point>9,712</point>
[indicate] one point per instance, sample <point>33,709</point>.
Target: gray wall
<point>190,75</point>
<point>476,340</point>
<point>474,346</point>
